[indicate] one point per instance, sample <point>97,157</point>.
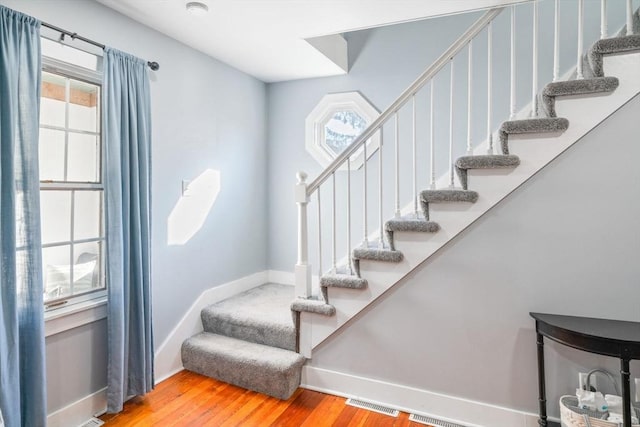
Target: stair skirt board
<point>578,115</point>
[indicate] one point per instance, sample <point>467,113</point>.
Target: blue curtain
<point>127,138</point>
<point>22,359</point>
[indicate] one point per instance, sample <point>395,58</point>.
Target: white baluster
<point>397,147</point>
<point>603,19</point>
<point>432,152</point>
<point>469,95</point>
<point>334,258</point>
<point>302,269</point>
<point>579,74</point>
<point>415,158</point>
<point>349,215</point>
<point>556,41</point>
<point>365,160</point>
<point>512,109</point>
<point>319,234</point>
<point>489,87</point>
<point>381,236</point>
<point>629,18</point>
<point>451,178</point>
<point>534,83</point>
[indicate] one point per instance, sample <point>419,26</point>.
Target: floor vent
<point>373,407</point>
<point>92,422</point>
<point>432,421</point>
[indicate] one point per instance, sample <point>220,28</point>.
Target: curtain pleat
<point>127,137</point>
<point>22,354</point>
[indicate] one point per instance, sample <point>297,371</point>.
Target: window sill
<point>73,316</point>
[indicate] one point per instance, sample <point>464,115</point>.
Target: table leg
<point>542,400</point>
<point>626,393</point>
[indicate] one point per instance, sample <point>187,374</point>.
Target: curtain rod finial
<point>153,65</point>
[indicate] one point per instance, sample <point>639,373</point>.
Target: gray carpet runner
<point>609,46</point>
<point>575,87</point>
<point>445,196</point>
<point>408,224</point>
<point>249,340</point>
<point>487,161</point>
<point>537,125</point>
<point>256,367</point>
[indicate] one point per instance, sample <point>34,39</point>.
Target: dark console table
<point>613,338</point>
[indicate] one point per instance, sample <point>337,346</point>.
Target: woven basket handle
<point>607,374</point>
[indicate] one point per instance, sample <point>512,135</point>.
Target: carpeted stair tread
<point>269,370</point>
<point>609,46</point>
<point>449,195</point>
<point>349,281</point>
<point>412,224</point>
<point>312,306</point>
<point>376,254</point>
<point>488,161</point>
<point>537,125</point>
<point>260,315</point>
<point>575,87</point>
<point>409,224</point>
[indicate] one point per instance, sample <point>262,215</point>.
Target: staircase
<point>556,118</point>
<point>406,232</point>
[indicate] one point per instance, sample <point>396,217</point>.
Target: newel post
<point>302,269</point>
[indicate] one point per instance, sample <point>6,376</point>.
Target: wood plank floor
<point>188,399</point>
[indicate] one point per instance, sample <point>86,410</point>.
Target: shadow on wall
<point>193,207</point>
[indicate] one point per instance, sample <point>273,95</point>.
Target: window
<point>335,123</point>
<point>71,176</point>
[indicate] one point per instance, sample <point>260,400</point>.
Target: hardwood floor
<point>189,399</point>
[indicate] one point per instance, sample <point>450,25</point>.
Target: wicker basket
<point>572,416</point>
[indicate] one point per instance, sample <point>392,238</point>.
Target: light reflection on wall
<point>192,209</point>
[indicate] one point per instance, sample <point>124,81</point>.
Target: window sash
<point>74,72</point>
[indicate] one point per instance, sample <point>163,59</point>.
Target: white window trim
<point>75,315</point>
<point>324,111</point>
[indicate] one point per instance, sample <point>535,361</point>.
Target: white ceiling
<point>266,38</point>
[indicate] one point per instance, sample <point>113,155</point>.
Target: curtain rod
<point>74,36</point>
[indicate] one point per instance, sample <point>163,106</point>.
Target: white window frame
<point>74,304</point>
<point>324,111</point>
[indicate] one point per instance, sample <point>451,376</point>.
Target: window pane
<point>51,151</point>
<point>55,210</point>
<point>83,106</point>
<point>52,102</point>
<point>87,268</point>
<point>87,215</point>
<point>83,158</point>
<point>69,54</point>
<point>57,272</point>
<point>342,129</point>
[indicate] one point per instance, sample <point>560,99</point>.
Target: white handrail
<point>429,73</point>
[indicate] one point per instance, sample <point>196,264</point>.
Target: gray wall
<point>205,115</point>
<point>567,242</point>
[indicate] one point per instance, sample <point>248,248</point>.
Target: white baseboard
<point>282,277</point>
<point>80,411</point>
<point>413,400</point>
<point>167,357</point>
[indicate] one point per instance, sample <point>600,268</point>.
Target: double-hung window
<point>71,176</point>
